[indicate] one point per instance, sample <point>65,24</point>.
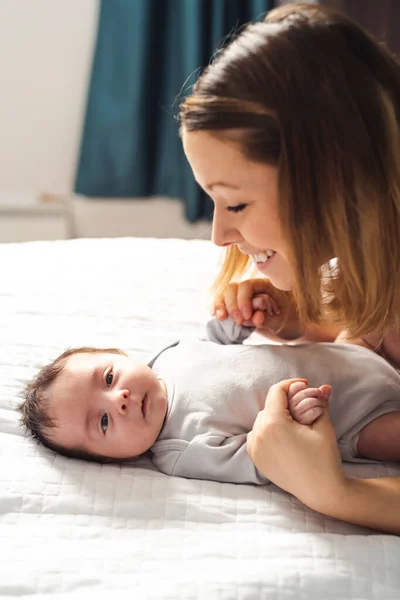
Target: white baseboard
<point>26,217</point>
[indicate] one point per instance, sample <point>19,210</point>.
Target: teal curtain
<point>147,54</point>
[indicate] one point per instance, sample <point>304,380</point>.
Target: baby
<point>195,402</point>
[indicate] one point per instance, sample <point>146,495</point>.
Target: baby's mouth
<point>263,257</point>
<point>144,406</point>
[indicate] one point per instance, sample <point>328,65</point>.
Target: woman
<point>294,131</point>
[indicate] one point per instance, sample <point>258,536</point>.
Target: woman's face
<point>245,196</point>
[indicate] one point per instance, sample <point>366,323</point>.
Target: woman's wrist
<point>373,503</point>
<point>332,502</point>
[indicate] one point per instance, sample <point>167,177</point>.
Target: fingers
<point>250,447</point>
<point>320,419</point>
<point>309,416</point>
<point>277,398</point>
<point>275,420</point>
<point>307,404</point>
<point>263,306</point>
<point>232,305</point>
<point>236,302</point>
<point>296,387</point>
<point>298,391</point>
<point>326,391</point>
<point>265,303</point>
<point>245,293</point>
<point>285,384</point>
<point>290,455</point>
<point>218,310</point>
<point>303,394</point>
<point>258,319</point>
<point>227,305</point>
<point>307,410</point>
<point>324,423</point>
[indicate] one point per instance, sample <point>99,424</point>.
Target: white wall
<point>46,51</point>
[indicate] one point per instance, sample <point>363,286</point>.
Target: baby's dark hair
<point>35,415</point>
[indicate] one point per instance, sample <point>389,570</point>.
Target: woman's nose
<point>222,233</point>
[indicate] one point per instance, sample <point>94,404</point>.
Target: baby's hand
<point>266,304</point>
<point>307,404</point>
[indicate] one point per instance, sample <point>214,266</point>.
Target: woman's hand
<point>303,460</point>
<point>237,302</point>
<point>257,303</point>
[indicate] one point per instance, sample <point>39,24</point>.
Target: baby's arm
<point>307,404</point>
<point>227,332</point>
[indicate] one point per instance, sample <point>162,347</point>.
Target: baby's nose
<point>122,401</point>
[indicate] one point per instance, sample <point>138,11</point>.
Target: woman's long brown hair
<point>318,97</point>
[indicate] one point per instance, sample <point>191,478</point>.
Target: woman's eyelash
<point>109,378</point>
<point>236,209</point>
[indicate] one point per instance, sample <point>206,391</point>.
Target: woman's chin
<point>281,284</point>
<point>281,278</point>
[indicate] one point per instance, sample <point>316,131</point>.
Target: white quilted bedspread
<point>91,531</point>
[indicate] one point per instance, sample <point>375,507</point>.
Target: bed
<point>110,531</point>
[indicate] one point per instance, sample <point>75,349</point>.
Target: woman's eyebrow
<point>210,186</point>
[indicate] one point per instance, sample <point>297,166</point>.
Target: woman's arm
<point>372,503</point>
<point>389,349</point>
<point>248,303</point>
<point>305,461</point>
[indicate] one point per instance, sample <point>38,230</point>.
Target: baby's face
<point>108,405</point>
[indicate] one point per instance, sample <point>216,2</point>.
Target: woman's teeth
<point>262,256</point>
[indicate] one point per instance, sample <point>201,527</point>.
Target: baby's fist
<point>306,405</point>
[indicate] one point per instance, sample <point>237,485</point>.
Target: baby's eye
<point>104,422</point>
<point>109,378</point>
<point>237,208</point>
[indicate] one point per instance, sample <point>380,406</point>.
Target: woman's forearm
<point>287,327</point>
<point>373,503</point>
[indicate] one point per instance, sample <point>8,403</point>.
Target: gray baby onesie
<point>216,387</point>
